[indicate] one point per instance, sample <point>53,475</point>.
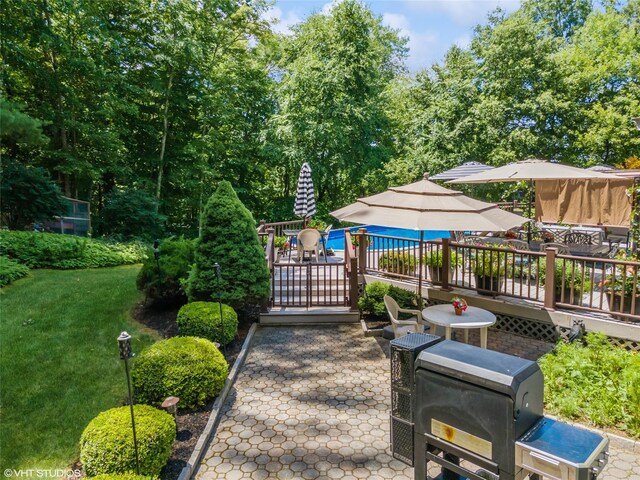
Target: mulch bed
<point>190,423</point>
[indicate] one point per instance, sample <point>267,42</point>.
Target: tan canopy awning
<point>584,202</point>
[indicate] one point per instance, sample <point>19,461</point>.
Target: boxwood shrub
<point>187,367</point>
<point>10,271</point>
<point>202,319</point>
<point>53,250</point>
<point>106,445</point>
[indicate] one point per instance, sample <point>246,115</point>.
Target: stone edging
<point>214,417</point>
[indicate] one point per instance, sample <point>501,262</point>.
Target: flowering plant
<point>548,236</point>
<point>460,303</point>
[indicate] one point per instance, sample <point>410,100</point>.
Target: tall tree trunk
<point>165,132</point>
<point>62,131</point>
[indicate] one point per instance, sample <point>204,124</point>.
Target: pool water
<point>336,237</point>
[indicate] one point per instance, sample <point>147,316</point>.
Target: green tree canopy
<point>28,195</point>
<point>335,69</point>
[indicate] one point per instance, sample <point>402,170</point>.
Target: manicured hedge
<point>202,319</point>
<point>187,367</point>
<point>106,445</point>
<point>11,270</point>
<point>52,250</point>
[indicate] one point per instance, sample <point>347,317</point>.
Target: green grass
<point>59,364</point>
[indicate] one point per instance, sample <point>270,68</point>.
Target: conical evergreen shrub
<point>228,236</point>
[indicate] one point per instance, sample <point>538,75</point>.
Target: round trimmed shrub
<point>202,319</point>
<point>106,445</point>
<point>187,367</point>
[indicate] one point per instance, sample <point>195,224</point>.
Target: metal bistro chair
<point>578,238</point>
<point>402,327</point>
<point>308,241</point>
<point>561,247</point>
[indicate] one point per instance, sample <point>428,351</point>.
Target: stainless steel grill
<point>486,408</point>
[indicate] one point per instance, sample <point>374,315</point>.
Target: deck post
<point>353,284</point>
<point>362,250</point>
<point>549,285</point>
<point>446,264</point>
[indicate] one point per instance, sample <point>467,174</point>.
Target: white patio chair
<point>308,241</point>
<point>402,327</point>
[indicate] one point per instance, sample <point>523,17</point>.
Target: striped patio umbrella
<point>305,205</point>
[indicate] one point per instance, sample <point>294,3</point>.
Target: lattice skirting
<point>618,342</point>
<point>531,328</point>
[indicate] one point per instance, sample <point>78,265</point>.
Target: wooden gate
<point>309,284</point>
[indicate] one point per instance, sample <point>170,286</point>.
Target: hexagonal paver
<point>313,403</point>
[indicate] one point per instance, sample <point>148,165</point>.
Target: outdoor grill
<point>485,407</point>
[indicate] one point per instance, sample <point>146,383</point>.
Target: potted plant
<point>433,261</point>
<point>622,288</point>
<point>490,268</point>
<point>568,281</point>
<point>547,237</point>
<point>397,262</point>
<point>459,305</point>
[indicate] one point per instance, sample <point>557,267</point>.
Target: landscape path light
<point>124,346</point>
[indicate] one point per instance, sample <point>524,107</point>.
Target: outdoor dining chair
<point>308,241</point>
<point>402,327</point>
<point>578,238</point>
<point>561,247</point>
<point>516,244</point>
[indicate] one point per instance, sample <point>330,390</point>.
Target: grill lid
<point>493,370</point>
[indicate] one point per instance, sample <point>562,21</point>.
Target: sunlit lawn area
<point>59,362</point>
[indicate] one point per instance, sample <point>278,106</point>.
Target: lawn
<point>59,363</point>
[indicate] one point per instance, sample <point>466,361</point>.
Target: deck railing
<point>280,227</point>
<point>583,283</point>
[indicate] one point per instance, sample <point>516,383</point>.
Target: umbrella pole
<point>530,202</point>
<point>420,247</point>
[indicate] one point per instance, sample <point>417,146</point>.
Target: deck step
<point>310,316</point>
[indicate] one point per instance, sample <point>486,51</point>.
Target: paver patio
<point>314,401</point>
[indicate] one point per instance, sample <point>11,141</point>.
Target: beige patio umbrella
<point>424,205</point>
<point>530,170</point>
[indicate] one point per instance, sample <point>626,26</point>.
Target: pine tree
<point>228,237</point>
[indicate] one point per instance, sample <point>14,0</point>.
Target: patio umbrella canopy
<point>423,205</point>
<point>464,170</point>
<point>531,169</point>
<point>305,205</point>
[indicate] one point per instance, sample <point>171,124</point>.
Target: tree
<point>28,195</point>
<point>334,71</point>
<point>228,237</point>
<point>131,214</point>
